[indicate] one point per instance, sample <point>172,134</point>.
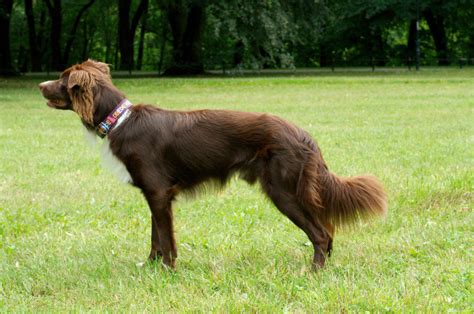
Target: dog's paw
<point>319,259</point>
<point>154,256</point>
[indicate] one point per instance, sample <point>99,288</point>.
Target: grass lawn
<point>70,235</point>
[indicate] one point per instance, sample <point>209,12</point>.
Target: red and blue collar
<point>117,116</point>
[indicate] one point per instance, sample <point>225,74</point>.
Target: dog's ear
<point>79,79</point>
<point>80,84</point>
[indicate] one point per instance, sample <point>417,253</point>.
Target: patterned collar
<point>117,116</point>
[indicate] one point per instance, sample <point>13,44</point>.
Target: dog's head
<point>77,87</point>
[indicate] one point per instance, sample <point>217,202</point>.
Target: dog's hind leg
<point>317,234</point>
<point>287,202</point>
<point>330,229</point>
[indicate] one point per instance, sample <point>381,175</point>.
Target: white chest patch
<point>109,161</point>
<point>113,164</point>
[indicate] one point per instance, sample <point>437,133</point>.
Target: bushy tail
<point>339,200</point>
<point>346,200</point>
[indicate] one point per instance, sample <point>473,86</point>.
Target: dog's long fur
<point>166,152</point>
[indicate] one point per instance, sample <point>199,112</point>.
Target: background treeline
<point>189,36</point>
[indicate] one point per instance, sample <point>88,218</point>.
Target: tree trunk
<point>187,26</point>
<point>108,48</point>
<point>411,43</point>
<point>378,49</point>
<point>73,31</point>
<point>85,41</point>
<point>436,24</point>
<point>124,35</point>
<point>470,50</point>
<point>6,67</point>
<point>116,54</point>
<point>40,37</point>
<point>193,38</point>
<point>59,61</point>
<point>324,56</point>
<point>141,44</point>
<point>56,22</point>
<point>127,31</point>
<point>164,32</point>
<point>238,56</point>
<point>35,53</point>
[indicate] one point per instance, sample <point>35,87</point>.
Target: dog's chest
<point>108,159</point>
<point>113,164</point>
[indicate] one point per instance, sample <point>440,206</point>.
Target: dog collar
<point>117,116</point>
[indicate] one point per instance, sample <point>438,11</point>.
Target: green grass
<point>70,236</point>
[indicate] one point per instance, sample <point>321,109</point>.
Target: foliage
<point>262,34</point>
<point>248,34</point>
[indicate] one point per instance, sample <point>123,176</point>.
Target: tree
<point>411,42</point>
<point>6,67</point>
<point>437,28</point>
<point>141,44</point>
<point>60,60</point>
<point>441,17</point>
<point>127,29</point>
<point>187,36</point>
<point>34,38</point>
<point>186,20</point>
<point>263,34</point>
<point>357,30</point>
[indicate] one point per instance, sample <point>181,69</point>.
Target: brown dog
<point>165,152</point>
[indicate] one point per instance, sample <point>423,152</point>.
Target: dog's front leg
<point>162,216</point>
<point>155,251</point>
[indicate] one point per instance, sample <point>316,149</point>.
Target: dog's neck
<point>105,102</point>
<point>114,119</point>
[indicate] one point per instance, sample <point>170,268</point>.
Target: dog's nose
<point>43,85</point>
